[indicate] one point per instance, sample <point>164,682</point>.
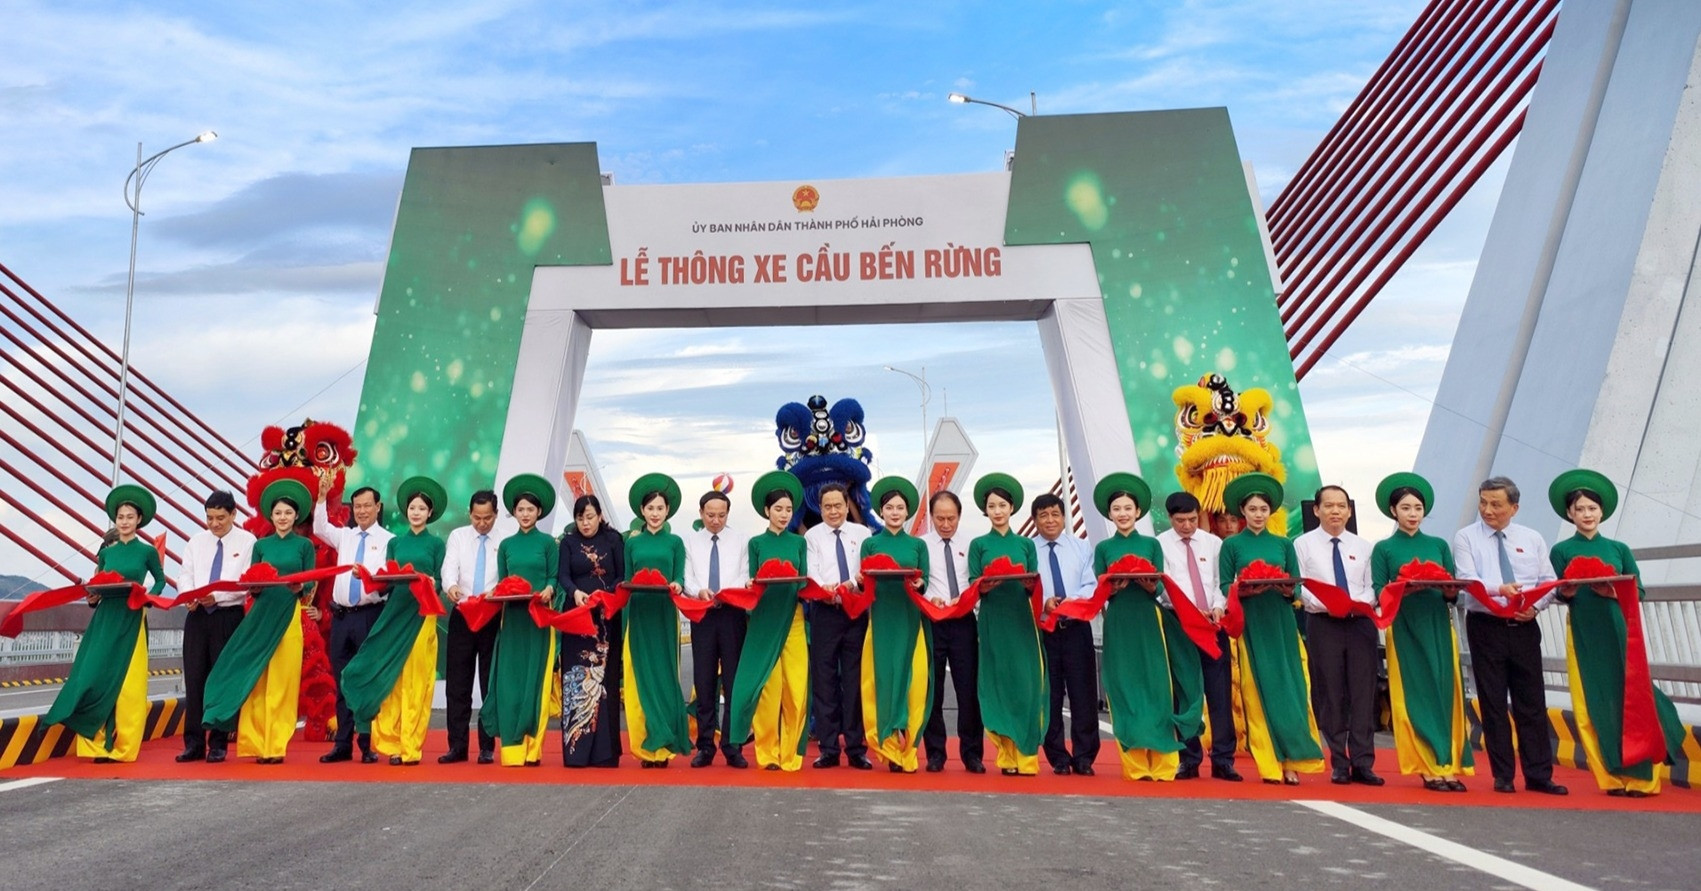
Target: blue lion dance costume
<point>819,445</point>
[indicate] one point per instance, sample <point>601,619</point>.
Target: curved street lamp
<point>926,397</point>
<point>133,199</point>
<point>1033,104</point>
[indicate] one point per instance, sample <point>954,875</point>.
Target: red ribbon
<point>420,586</point>
<point>881,562</point>
<point>774,568</point>
<point>1644,740</point>
<point>1414,576</point>
<point>479,609</point>
<point>997,573</point>
<point>1234,618</point>
<point>1337,601</point>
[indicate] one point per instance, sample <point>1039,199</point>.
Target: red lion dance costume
<point>315,454</point>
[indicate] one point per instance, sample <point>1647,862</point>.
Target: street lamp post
<point>1033,104</point>
<point>926,397</point>
<point>133,199</point>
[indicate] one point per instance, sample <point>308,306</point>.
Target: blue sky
<point>275,234</point>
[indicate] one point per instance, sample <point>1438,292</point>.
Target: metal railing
<point>1671,625</point>
<point>60,647</point>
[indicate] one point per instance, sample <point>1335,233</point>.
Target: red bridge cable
<point>1390,205</point>
<point>1395,156</point>
<point>1414,72</point>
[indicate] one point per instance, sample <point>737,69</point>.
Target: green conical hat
<point>1122,481</point>
<point>768,482</point>
<point>1004,481</point>
<point>1403,480</point>
<point>529,484</point>
<point>135,496</point>
<point>1591,481</point>
<point>290,489</point>
<point>654,482</point>
<point>886,485</point>
<point>1249,484</point>
<point>422,485</point>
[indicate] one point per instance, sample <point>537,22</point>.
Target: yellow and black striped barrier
<point>24,740</point>
<point>46,682</point>
<point>1567,750</point>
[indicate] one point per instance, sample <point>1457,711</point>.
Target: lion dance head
<point>315,454</point>
<point>821,445</point>
<point>1219,435</point>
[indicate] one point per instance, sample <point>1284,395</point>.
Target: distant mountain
<point>14,587</point>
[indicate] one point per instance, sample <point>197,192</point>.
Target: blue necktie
<point>478,565</point>
<point>715,563</point>
<point>354,590</point>
<point>1340,568</point>
<point>1507,576</point>
<point>839,546</point>
<point>950,568</point>
<point>218,566</point>
<point>1056,573</point>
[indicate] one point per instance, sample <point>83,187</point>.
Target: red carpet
<point>303,765</point>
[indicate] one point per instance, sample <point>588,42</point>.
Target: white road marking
<point>28,782</point>
<point>1481,861</point>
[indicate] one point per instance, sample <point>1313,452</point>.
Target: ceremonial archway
<point>1132,240</point>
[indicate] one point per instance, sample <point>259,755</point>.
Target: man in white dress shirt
<point>1342,651</point>
<point>221,553</point>
<point>1066,573</point>
<point>469,568</point>
<point>1506,654</point>
<point>715,558</point>
<point>956,644</point>
<point>353,608</point>
<point>1190,557</point>
<point>835,640</point>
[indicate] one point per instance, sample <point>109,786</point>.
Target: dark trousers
<point>1343,660</point>
<point>468,656</point>
<point>1073,669</point>
<point>204,636</point>
<point>348,633</point>
<point>1506,659</point>
<point>956,647</point>
<point>835,678</point>
<point>715,644</point>
<point>1219,706</point>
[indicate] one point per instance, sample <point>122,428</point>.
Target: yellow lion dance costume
<point>1219,435</point>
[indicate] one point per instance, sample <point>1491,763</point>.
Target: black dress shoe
<point>860,762</point>
<point>1084,770</point>
<point>1547,787</point>
<point>736,760</point>
<point>368,757</point>
<point>894,767</point>
<point>1364,776</point>
<point>827,761</point>
<point>1187,773</point>
<point>452,757</point>
<point>1340,776</point>
<point>770,767</point>
<point>1061,770</point>
<point>395,760</point>
<point>487,757</point>
<point>1455,786</point>
<point>335,755</point>
<point>935,766</point>
<point>1504,786</point>
<point>188,755</point>
<point>1226,773</point>
<point>973,765</point>
<point>703,758</point>
<point>215,756</point>
<point>105,760</point>
<point>1618,793</point>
